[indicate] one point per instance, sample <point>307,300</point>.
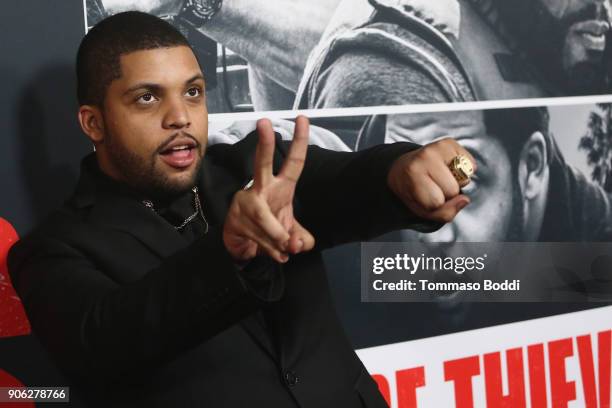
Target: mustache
<point>587,13</point>
<point>175,136</point>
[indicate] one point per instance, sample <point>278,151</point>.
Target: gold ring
<point>462,169</point>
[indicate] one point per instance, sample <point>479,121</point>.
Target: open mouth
<point>179,156</point>
<point>592,34</point>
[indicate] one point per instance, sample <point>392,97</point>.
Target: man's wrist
<point>198,12</point>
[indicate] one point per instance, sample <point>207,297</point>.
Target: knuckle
<point>280,237</point>
<point>427,152</point>
<point>449,142</point>
<point>453,142</point>
<point>454,188</point>
<point>429,206</point>
<point>233,212</point>
<point>258,215</point>
<point>311,242</point>
<point>437,200</point>
<point>413,166</point>
<point>298,160</point>
<point>442,144</point>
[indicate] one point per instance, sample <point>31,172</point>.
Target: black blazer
<point>135,315</point>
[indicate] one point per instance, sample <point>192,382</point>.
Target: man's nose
<point>176,115</point>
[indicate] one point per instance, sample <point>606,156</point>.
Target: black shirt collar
<point>94,183</point>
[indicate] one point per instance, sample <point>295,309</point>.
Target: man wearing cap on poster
<point>275,37</point>
<point>440,51</point>
<point>177,278</point>
<point>454,51</point>
<point>525,191</point>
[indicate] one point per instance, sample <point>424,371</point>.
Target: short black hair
<point>514,126</point>
<point>98,63</point>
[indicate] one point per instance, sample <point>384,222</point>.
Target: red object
<point>515,397</point>
<point>383,387</point>
<point>562,390</point>
<point>13,320</point>
<point>537,376</point>
<point>461,372</point>
<point>407,382</point>
<point>7,380</point>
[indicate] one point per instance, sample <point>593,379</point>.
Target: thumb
<point>450,209</point>
<point>301,239</point>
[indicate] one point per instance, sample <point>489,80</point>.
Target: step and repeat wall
<point>525,86</point>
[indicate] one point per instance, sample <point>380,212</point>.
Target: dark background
<point>41,144</point>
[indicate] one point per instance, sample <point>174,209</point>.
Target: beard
<point>516,225</point>
<point>543,37</point>
<point>144,173</point>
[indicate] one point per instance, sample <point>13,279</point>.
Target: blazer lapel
<point>260,335</point>
<point>123,212</point>
<point>132,217</point>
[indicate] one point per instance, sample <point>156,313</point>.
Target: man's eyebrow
<point>156,87</point>
<point>143,85</point>
<point>195,78</point>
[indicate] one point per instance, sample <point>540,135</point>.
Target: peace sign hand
<point>260,219</point>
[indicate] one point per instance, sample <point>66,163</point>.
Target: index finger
<point>264,154</point>
<point>294,162</point>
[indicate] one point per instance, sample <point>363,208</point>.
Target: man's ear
<point>533,167</point>
<point>92,123</point>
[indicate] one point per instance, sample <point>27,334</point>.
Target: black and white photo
<point>279,54</point>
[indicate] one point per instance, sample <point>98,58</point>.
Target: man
<point>442,51</point>
<point>525,191</point>
<point>453,51</point>
<point>170,274</point>
<point>257,30</point>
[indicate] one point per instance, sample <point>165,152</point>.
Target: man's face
<point>586,23</point>
<point>491,215</point>
<point>565,38</point>
<point>155,121</point>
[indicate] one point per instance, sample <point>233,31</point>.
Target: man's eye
<point>194,92</point>
<point>146,99</point>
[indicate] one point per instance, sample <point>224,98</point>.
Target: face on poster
<point>537,182</point>
<point>534,163</point>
